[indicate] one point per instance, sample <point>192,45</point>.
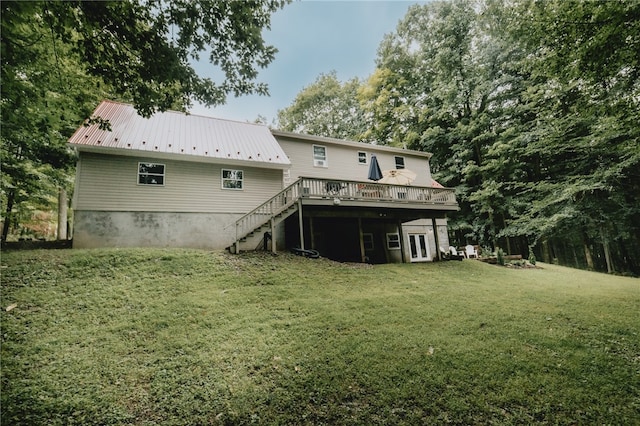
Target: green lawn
<point>186,337</point>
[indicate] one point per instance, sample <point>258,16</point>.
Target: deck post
<point>312,242</point>
<point>401,235</point>
<point>273,235</point>
<point>301,223</point>
<point>437,239</point>
<point>236,243</point>
<point>362,252</point>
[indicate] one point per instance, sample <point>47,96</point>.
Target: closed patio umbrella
<point>375,173</point>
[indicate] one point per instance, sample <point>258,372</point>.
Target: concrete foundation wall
<point>153,229</point>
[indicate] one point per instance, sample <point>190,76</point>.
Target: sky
<point>313,37</point>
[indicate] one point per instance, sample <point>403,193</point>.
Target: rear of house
<point>176,180</point>
<point>172,180</point>
<point>347,217</point>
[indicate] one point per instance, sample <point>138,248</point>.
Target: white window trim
<point>396,240</point>
<point>316,161</point>
<point>222,179</point>
<point>164,174</point>
<point>404,162</point>
<point>427,247</point>
<point>366,158</point>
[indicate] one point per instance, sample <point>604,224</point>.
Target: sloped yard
<point>184,337</point>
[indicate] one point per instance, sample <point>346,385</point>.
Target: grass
<point>177,337</point>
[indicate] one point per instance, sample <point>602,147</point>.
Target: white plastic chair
<point>471,252</point>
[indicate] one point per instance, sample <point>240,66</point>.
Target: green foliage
<point>326,108</point>
<point>153,336</point>
<point>500,256</point>
<point>530,109</point>
<point>59,59</point>
<point>532,256</point>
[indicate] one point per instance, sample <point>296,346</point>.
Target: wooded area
<point>532,112</point>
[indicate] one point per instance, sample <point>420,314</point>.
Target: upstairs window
<point>362,157</point>
<point>320,156</point>
<point>399,163</point>
<point>232,179</point>
<point>150,174</point>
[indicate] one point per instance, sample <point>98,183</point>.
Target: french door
<point>419,247</point>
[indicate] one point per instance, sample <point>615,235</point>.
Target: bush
<point>500,256</point>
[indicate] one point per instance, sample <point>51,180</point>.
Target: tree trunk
<point>11,196</point>
<point>62,214</point>
<point>607,254</point>
<point>587,253</point>
<point>545,251</point>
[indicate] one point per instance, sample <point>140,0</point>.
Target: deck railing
<point>353,190</point>
<point>314,188</point>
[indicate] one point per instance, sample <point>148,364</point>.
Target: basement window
<point>232,179</point>
<point>150,174</point>
<point>393,241</point>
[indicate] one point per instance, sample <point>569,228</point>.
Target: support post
<point>273,235</point>
<point>362,253</point>
<point>436,238</point>
<point>301,224</point>
<point>62,214</point>
<point>312,238</point>
<point>236,243</point>
<point>401,235</point>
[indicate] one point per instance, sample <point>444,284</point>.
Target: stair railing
<point>267,210</point>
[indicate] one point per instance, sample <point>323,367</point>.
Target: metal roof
<point>198,138</point>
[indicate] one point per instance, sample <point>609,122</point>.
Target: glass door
<point>419,248</point>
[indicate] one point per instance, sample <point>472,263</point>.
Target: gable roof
<point>189,137</point>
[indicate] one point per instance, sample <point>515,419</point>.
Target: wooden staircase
<point>251,228</point>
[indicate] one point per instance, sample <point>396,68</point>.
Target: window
<point>362,157</point>
<point>399,163</point>
<point>320,156</point>
<point>393,241</point>
<point>367,240</point>
<point>150,174</point>
<point>232,179</point>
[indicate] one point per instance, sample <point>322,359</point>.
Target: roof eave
<point>181,157</point>
<point>361,145</point>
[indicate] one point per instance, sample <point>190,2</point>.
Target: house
<point>190,181</point>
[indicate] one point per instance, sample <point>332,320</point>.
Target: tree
<point>60,58</point>
<point>326,108</point>
<point>585,140</point>
<point>531,111</point>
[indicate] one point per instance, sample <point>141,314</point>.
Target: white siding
<point>110,183</point>
<point>343,161</point>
